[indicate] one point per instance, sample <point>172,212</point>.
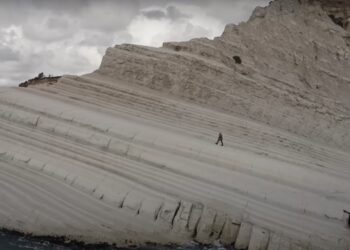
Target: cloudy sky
<point>70,36</point>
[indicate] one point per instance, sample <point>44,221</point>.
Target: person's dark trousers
<point>220,140</point>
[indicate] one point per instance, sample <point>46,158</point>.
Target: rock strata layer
<point>106,162</point>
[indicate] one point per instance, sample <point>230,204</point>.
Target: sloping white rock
<point>127,154</point>
<point>244,234</point>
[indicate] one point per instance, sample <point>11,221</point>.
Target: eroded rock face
<point>288,67</point>
<point>339,11</point>
<point>127,166</point>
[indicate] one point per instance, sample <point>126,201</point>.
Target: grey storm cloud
<point>70,36</point>
<point>171,13</point>
<point>154,14</point>
<point>98,39</point>
<point>57,23</point>
<point>8,54</point>
<point>102,15</point>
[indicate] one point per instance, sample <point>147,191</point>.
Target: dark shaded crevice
<point>36,122</point>
<point>193,208</point>
<point>195,231</point>
<point>237,59</point>
<point>138,210</point>
<point>315,50</point>
<point>222,228</point>
<point>337,20</point>
<point>212,225</point>
<point>176,211</point>
<point>189,216</point>
<point>158,211</point>
<point>123,200</point>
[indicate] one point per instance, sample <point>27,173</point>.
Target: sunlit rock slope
<point>127,154</point>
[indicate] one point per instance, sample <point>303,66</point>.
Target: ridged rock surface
<point>339,9</point>
<point>127,154</point>
<point>294,72</point>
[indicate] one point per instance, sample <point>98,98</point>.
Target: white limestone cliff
<point>127,154</point>
<point>294,72</point>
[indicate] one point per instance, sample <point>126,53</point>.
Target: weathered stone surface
<point>259,239</point>
<point>111,192</point>
<point>133,201</point>
<point>274,242</point>
<point>205,226</point>
<point>150,207</point>
<point>196,213</point>
<point>285,243</point>
<point>229,232</point>
<point>296,247</point>
<point>244,234</point>
<point>168,211</point>
<point>218,225</point>
<point>291,74</point>
<point>181,219</point>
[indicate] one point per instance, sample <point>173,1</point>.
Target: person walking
<point>220,139</point>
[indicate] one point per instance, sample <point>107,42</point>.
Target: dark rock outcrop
<point>49,80</point>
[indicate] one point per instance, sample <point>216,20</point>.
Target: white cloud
<point>177,23</point>
<point>109,16</point>
<point>143,30</point>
